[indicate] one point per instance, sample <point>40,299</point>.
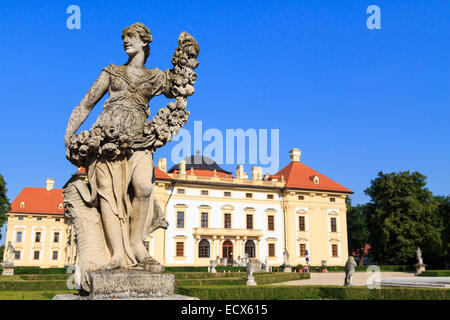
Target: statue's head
<point>137,37</point>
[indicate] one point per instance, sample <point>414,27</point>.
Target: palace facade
<point>211,213</point>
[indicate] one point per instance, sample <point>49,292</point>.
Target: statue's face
<point>132,43</point>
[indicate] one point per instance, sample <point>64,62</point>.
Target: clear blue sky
<point>354,100</point>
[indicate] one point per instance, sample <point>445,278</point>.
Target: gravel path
<point>337,278</point>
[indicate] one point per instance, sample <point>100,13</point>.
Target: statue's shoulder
<point>112,68</point>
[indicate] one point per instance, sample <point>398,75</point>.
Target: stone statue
<point>419,256</point>
<point>250,269</point>
<point>286,266</point>
<point>350,267</point>
<point>9,254</point>
<point>112,205</point>
<point>420,266</point>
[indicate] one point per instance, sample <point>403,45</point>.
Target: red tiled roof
<point>299,176</point>
<point>205,173</point>
<point>38,200</point>
<point>159,174</point>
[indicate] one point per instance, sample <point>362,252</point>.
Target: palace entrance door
<point>227,251</point>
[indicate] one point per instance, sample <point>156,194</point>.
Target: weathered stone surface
<point>8,270</point>
<point>129,283</point>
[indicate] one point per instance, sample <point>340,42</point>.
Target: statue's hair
<point>143,32</point>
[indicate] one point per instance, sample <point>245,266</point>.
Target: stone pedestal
<point>8,269</point>
<point>129,283</point>
<point>420,267</point>
<point>286,268</point>
<point>251,281</point>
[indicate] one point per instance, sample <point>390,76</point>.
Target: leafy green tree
<point>443,211</point>
<point>2,250</point>
<point>4,203</point>
<point>402,215</point>
<point>357,230</point>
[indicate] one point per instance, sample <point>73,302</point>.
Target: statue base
<point>286,268</point>
<point>8,269</point>
<point>251,281</point>
<point>130,284</point>
<point>420,267</point>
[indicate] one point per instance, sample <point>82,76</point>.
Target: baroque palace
<point>211,214</point>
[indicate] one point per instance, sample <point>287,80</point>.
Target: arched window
<point>250,248</point>
<point>203,249</point>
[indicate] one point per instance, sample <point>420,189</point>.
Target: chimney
<point>294,154</point>
<point>182,167</point>
<point>256,173</point>
<point>162,164</point>
<point>240,174</point>
<point>49,184</point>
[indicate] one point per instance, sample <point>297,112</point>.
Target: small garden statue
<point>420,266</point>
<point>350,267</point>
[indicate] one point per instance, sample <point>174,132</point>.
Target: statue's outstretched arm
<point>81,111</point>
<point>181,78</point>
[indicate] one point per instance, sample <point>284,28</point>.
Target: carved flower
<point>96,131</point>
<point>94,142</point>
<point>110,150</point>
<point>83,137</point>
<point>83,150</point>
<point>111,133</point>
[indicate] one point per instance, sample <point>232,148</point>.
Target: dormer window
<point>60,206</point>
<point>315,179</point>
<point>22,204</point>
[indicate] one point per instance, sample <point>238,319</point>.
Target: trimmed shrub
<point>385,268</point>
<point>311,292</point>
<point>435,273</point>
<point>33,285</point>
<point>38,270</point>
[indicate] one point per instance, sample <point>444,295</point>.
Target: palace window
<point>249,221</point>
<point>270,223</point>
<point>57,219</point>
<point>180,219</point>
<point>204,192</point>
<point>333,225</point>
<point>302,250</point>
<point>301,198</point>
<point>19,236</point>
<point>227,220</point>
<point>334,250</point>
<point>203,248</point>
<point>20,218</point>
<point>180,249</point>
<point>180,191</point>
<point>301,223</point>
<point>36,255</point>
<point>332,199</point>
<point>227,194</point>
<point>250,248</point>
<point>55,255</point>
<point>271,249</point>
<point>39,219</point>
<point>249,195</point>
<point>16,255</point>
<point>270,196</point>
<point>37,237</point>
<point>204,220</point>
<point>56,237</point>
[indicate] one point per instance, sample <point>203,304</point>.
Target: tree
<point>4,203</point>
<point>358,233</point>
<point>402,215</point>
<point>2,250</point>
<point>443,211</point>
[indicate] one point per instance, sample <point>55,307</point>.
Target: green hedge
<point>207,275</point>
<point>32,295</point>
<point>44,276</point>
<point>435,273</point>
<point>203,269</point>
<point>311,292</point>
<point>33,285</point>
<point>385,268</point>
<point>38,270</point>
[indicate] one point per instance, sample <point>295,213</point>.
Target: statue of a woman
<point>118,150</point>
